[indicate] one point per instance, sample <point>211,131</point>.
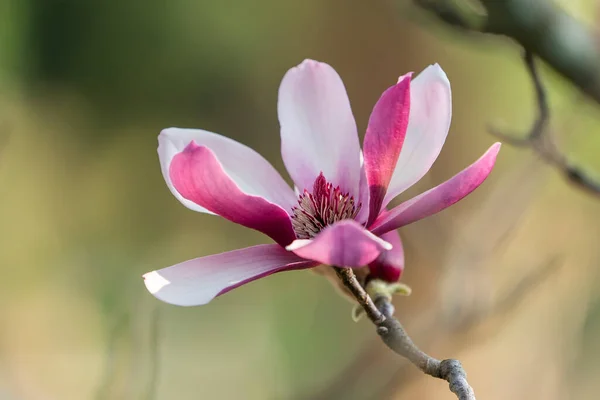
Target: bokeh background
<point>506,280</point>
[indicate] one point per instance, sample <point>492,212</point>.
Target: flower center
<point>324,206</point>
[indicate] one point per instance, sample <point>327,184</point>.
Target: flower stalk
<point>349,280</point>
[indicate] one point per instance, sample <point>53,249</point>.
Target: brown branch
<point>540,140</point>
<point>494,317</point>
<point>395,337</point>
<point>541,27</point>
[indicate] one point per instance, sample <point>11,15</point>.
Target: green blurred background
<point>507,280</point>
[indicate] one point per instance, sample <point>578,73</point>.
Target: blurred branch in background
<point>540,140</point>
<point>105,388</point>
<point>132,351</point>
<point>546,31</point>
<point>541,27</point>
<point>152,382</point>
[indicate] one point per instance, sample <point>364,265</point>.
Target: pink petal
<point>440,197</point>
<point>428,124</point>
<point>384,139</point>
<point>390,263</point>
<point>345,244</point>
<point>249,170</point>
<point>200,280</point>
<point>318,131</point>
<point>199,177</point>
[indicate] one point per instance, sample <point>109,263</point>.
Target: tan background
<point>85,87</point>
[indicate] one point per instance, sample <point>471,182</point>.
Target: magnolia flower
<point>337,215</point>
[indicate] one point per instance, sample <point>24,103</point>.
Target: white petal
<point>198,281</point>
<point>318,131</point>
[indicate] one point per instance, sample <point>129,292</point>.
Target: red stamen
<point>324,206</point>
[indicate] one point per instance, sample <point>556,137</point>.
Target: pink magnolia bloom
<point>338,215</point>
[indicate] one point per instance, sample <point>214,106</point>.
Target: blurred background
<point>506,280</point>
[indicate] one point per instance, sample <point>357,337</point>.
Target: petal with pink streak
<point>318,131</point>
<point>344,244</point>
<point>199,177</point>
<point>198,281</point>
<point>384,139</point>
<point>428,124</point>
<point>249,170</point>
<point>440,197</point>
<point>363,199</point>
<point>390,263</point>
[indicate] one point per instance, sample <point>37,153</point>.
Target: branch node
<point>382,330</point>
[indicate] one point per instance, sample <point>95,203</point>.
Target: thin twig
<point>395,337</point>
<point>349,280</point>
<point>540,140</point>
<point>543,117</point>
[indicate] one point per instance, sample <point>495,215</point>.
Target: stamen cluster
<point>324,206</point>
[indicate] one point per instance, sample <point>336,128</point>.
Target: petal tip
<point>309,64</point>
<point>309,61</point>
<point>407,76</point>
<point>168,133</point>
<point>385,245</point>
<point>164,137</point>
<point>493,151</point>
<point>438,68</point>
<point>154,282</point>
<point>436,72</point>
<point>297,244</point>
